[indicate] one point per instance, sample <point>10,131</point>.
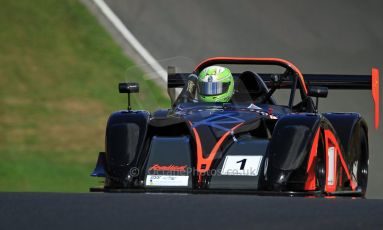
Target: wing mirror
<point>318,91</point>
<point>130,87</point>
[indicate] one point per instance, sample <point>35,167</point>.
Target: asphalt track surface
<point>318,36</point>
<point>171,211</point>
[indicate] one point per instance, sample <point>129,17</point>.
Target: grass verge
<point>59,72</point>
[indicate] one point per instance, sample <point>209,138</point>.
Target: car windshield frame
<point>291,78</point>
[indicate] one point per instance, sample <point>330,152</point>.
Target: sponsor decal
<point>159,180</point>
<point>175,168</point>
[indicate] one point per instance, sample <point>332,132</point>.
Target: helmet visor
<point>212,88</point>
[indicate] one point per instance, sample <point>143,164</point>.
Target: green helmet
<point>215,84</point>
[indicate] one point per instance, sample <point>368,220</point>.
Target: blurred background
<point>61,61</point>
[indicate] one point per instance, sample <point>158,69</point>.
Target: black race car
<point>252,144</point>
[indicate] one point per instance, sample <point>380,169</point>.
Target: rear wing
<point>331,81</point>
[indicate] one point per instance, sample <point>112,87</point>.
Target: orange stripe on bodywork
<point>332,142</point>
<point>264,60</point>
<point>375,94</point>
<point>201,160</point>
<point>311,178</point>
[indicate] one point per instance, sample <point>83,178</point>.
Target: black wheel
<point>359,161</point>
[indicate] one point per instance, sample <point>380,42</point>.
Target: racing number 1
<point>241,165</point>
<point>243,162</point>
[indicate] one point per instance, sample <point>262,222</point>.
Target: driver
<point>215,84</point>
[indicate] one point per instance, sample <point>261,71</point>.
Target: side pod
<point>289,148</point>
<point>125,134</point>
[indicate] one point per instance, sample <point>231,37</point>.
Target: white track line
<point>131,39</point>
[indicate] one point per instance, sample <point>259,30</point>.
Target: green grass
<point>59,72</point>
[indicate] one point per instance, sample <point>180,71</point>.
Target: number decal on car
<point>241,165</point>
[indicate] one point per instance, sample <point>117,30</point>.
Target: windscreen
<point>252,85</point>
